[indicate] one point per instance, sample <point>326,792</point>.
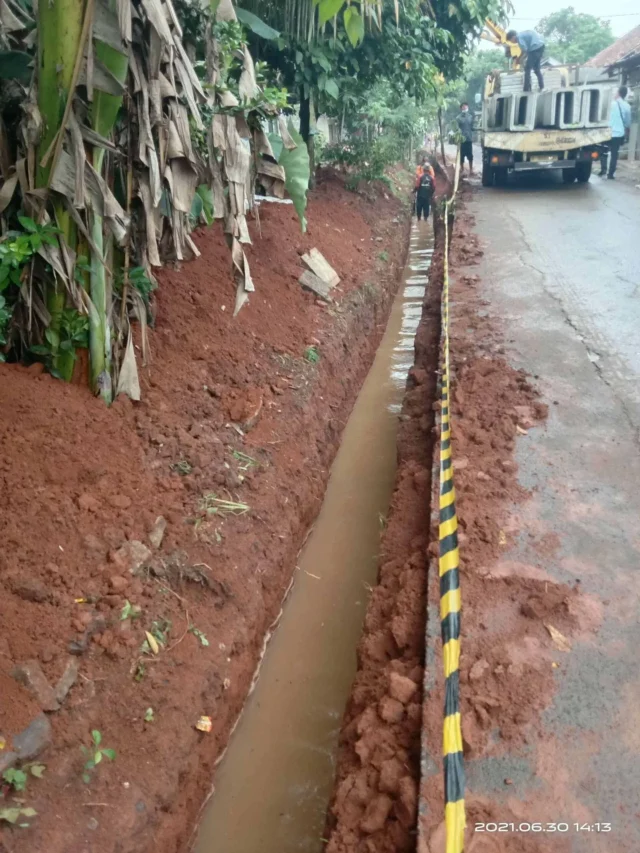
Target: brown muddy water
<point>274,783</point>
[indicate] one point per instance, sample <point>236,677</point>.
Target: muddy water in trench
<point>273,786</point>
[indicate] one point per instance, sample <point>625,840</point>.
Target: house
<point>622,58</point>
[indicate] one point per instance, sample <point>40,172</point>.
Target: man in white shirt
<point>619,122</point>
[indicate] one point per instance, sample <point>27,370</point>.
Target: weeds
<point>94,755</point>
<point>13,814</point>
<point>245,461</point>
<point>384,255</point>
<point>18,779</point>
<point>211,504</point>
<point>130,611</point>
<point>182,467</point>
<point>312,355</point>
<point>149,716</point>
<point>199,634</point>
<point>155,638</point>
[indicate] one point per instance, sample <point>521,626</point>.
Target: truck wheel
<point>569,175</point>
<point>501,177</point>
<point>487,175</point>
<point>583,172</point>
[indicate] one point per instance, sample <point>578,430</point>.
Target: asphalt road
<point>561,272</point>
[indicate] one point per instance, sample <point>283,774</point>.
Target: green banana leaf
<point>297,173</point>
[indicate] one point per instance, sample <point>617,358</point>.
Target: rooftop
<point>623,49</point>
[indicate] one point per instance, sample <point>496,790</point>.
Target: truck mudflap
<point>530,141</point>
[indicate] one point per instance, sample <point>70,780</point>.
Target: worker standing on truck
<point>465,124</point>
<point>620,124</point>
<point>532,45</point>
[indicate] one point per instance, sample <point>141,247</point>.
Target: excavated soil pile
<point>516,621</point>
<point>114,524</point>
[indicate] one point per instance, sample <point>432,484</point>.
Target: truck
<point>561,128</point>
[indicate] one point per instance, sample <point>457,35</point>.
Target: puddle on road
<point>273,786</point>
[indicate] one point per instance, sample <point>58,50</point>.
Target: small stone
<point>407,805</point>
<point>479,670</point>
<point>460,464</point>
<point>485,478</point>
<point>131,556</point>
<point>118,583</point>
<point>33,740</point>
<point>30,589</point>
<point>376,814</point>
<point>92,824</point>
<point>140,807</point>
<point>93,543</point>
<point>390,710</point>
<point>508,781</point>
<point>401,687</point>
<point>67,679</point>
<point>31,675</point>
<point>157,532</point>
<point>88,503</point>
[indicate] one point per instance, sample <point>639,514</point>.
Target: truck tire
<point>569,175</point>
<point>501,176</point>
<point>487,175</point>
<point>583,172</point>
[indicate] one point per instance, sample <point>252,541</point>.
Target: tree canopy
<point>573,36</point>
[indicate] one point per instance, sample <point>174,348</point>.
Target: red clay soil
<point>508,653</point>
<point>231,410</point>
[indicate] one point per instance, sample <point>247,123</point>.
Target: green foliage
<point>149,716</point>
<point>15,65</point>
<point>199,634</point>
<point>13,814</point>
<point>312,355</point>
<point>295,163</point>
<point>5,318</point>
<point>94,755</point>
<point>16,778</point>
<point>256,24</point>
<point>575,37</point>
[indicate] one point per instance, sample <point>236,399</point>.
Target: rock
<point>67,679</point>
<point>30,589</point>
<point>460,464</point>
<point>390,710</point>
<point>157,532</point>
<point>479,670</point>
<point>376,814</point>
<point>391,772</point>
<point>406,808</point>
<point>88,503</point>
<point>32,741</point>
<point>401,687</point>
<point>118,584</point>
<point>94,544</point>
<point>31,675</point>
<point>131,556</point>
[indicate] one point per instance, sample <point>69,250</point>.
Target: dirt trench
<point>374,807</point>
<point>231,409</point>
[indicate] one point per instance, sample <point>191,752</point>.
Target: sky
<point>623,14</point>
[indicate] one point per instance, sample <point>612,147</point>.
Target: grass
<point>213,505</point>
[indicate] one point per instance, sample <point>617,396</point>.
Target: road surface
<point>561,272</point>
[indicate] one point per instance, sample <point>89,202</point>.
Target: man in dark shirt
<point>532,45</point>
<point>465,124</point>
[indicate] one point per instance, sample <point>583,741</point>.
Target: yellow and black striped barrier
<point>450,598</point>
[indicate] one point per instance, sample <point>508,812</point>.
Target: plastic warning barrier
<point>449,573</point>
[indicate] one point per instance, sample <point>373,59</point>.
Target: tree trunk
<point>444,159</point>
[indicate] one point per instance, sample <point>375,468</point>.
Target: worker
<point>424,191</point>
<point>465,123</point>
<point>423,165</point>
<point>620,124</point>
<point>532,44</point>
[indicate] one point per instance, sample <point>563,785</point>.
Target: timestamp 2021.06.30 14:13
<point>561,826</point>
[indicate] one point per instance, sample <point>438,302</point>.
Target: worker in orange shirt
<point>424,166</point>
